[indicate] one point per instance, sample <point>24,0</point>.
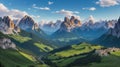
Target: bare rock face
<point>35,26</point>
<point>50,27</point>
<point>6,43</point>
<point>116,30</point>
<point>106,52</point>
<point>7,26</point>
<point>26,23</point>
<point>69,24</point>
<point>9,22</point>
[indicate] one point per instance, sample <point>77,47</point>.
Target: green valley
<point>83,55</point>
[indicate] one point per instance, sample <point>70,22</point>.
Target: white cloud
<point>13,13</point>
<point>108,3</point>
<point>40,8</point>
<point>44,8</point>
<point>50,3</point>
<point>91,8</point>
<point>68,13</point>
<point>3,8</point>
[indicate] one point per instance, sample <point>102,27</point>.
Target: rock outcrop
<point>6,43</point>
<point>50,27</point>
<point>116,30</point>
<point>9,22</point>
<point>27,23</point>
<point>7,26</point>
<point>69,24</point>
<point>106,52</point>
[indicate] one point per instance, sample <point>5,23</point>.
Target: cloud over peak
<point>13,13</point>
<point>68,13</point>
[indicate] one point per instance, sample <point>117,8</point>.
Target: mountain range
<point>73,30</point>
<point>111,37</point>
<point>60,44</point>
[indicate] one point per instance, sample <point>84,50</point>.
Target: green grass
<point>116,53</point>
<point>77,49</point>
<point>19,38</point>
<point>67,61</point>
<point>108,61</point>
<point>30,44</point>
<point>12,58</point>
<point>43,48</point>
<point>28,56</point>
<point>69,55</point>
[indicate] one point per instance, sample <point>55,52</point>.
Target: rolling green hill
<point>81,55</point>
<point>30,42</point>
<point>17,58</point>
<point>69,54</point>
<point>30,47</point>
<point>25,55</point>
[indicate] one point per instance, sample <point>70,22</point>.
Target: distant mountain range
<point>25,43</point>
<point>89,30</point>
<point>50,27</point>
<point>112,37</point>
<point>69,31</point>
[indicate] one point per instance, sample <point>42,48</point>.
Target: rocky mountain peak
<point>7,25</point>
<point>116,30</point>
<point>69,24</point>
<point>35,26</point>
<point>26,22</point>
<point>72,18</point>
<point>66,19</point>
<point>119,22</point>
<point>91,19</point>
<point>8,21</point>
<point>0,18</point>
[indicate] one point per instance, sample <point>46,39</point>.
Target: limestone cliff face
<point>7,26</point>
<point>6,43</point>
<point>9,22</point>
<point>69,24</point>
<point>26,23</point>
<point>116,30</point>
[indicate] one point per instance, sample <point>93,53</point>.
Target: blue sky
<point>57,9</point>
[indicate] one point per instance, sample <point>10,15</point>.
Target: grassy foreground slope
<point>16,58</point>
<point>29,44</point>
<point>21,57</point>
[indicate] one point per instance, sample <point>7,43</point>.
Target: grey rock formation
<point>26,23</point>
<point>6,43</point>
<point>69,24</point>
<point>7,26</point>
<point>116,30</point>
